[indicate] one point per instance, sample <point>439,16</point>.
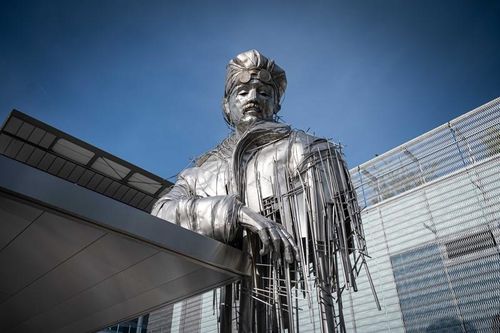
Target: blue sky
<point>143,80</point>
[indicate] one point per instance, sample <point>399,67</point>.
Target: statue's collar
<point>262,133</point>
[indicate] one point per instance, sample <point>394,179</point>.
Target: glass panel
<point>144,183</point>
<point>110,168</point>
<point>72,151</point>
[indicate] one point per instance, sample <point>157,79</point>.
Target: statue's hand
<point>273,235</point>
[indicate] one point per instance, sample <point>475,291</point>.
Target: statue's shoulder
<point>305,146</point>
<point>308,141</point>
<point>221,152</point>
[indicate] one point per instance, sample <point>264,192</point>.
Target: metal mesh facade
<point>431,220</point>
<point>432,224</point>
<point>460,143</point>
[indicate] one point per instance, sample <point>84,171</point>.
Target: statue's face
<point>251,101</point>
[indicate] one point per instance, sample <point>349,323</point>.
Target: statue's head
<point>253,91</point>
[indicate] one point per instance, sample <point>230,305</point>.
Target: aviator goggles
<point>261,74</point>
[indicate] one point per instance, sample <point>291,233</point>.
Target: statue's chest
<point>263,176</point>
<point>266,175</point>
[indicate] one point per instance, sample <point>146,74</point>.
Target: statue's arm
<point>220,217</point>
<point>215,217</point>
<point>326,172</point>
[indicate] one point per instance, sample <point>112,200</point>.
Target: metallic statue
<point>283,196</point>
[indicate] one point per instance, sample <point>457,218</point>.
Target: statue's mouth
<point>252,109</point>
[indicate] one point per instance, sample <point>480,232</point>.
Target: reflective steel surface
<point>285,197</point>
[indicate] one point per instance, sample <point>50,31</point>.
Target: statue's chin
<point>248,121</point>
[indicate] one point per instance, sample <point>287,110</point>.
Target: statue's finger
<point>276,239</point>
<point>289,257</point>
<point>264,238</point>
<point>294,250</point>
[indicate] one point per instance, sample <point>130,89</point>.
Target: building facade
<point>431,214</point>
<point>431,218</point>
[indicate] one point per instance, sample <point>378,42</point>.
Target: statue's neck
<point>261,131</point>
<point>244,127</point>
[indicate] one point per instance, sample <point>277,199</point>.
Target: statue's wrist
<point>241,214</point>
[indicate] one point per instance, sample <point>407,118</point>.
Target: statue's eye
<point>242,92</point>
<point>264,93</point>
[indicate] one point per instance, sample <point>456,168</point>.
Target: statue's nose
<point>252,94</point>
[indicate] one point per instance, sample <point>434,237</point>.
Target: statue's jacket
<point>290,176</point>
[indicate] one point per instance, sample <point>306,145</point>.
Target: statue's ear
<point>225,110</point>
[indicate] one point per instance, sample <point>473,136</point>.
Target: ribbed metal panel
<point>435,256</point>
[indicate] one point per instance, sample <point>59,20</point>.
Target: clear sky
<point>143,80</point>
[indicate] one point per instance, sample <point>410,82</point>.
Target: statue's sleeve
<point>332,220</point>
<point>212,216</point>
<point>330,184</point>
